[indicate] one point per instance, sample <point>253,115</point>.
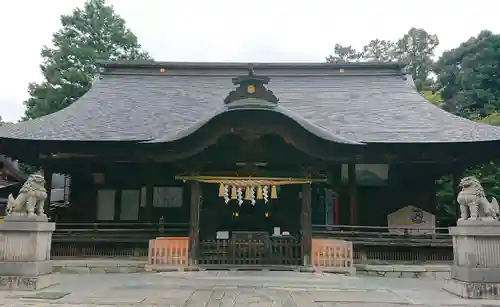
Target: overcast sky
<point>235,30</point>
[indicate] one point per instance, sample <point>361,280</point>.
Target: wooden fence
<point>332,255</point>
<point>169,251</point>
<point>130,239</point>
<point>256,251</point>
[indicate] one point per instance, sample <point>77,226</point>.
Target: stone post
<point>476,244</point>
<point>25,239</point>
<point>475,272</point>
<point>25,253</point>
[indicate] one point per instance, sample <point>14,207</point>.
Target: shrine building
<point>232,149</point>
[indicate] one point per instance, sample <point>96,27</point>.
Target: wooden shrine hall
<point>249,155</point>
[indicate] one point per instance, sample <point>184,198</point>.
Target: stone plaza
<point>236,288</point>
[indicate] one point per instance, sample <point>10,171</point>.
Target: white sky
<point>235,30</point>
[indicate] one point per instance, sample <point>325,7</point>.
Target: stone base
<point>472,290</point>
<point>476,275</point>
<point>24,283</point>
<point>25,243</point>
<point>32,268</point>
<point>26,218</point>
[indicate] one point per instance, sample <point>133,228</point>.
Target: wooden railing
<point>116,231</point>
<point>171,251</point>
<point>376,244</point>
<point>262,251</point>
<point>130,239</point>
<point>110,239</point>
<point>332,255</point>
<point>381,236</point>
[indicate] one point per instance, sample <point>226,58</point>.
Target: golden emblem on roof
<point>251,89</point>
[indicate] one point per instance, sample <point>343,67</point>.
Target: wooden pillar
<point>336,182</point>
<point>194,222</point>
<point>431,195</point>
<point>148,209</point>
<point>456,174</point>
<point>47,175</point>
<point>353,193</point>
<point>118,205</point>
<point>306,224</point>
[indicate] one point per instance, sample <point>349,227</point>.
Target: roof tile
<point>367,108</point>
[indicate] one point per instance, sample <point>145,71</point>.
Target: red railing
<point>332,255</point>
<point>171,251</point>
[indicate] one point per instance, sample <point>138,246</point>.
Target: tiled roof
<point>161,101</point>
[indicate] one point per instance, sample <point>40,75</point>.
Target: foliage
<point>343,54</point>
<point>469,82</point>
<point>379,50</point>
<point>415,48</point>
<point>468,76</point>
<point>87,35</point>
<point>3,123</point>
<point>488,174</point>
<point>492,119</point>
<point>445,199</point>
<point>433,97</point>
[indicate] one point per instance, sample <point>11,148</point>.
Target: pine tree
<point>89,34</point>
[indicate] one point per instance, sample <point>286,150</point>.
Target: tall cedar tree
<point>89,34</point>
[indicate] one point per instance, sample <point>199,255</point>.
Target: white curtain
<point>130,205</point>
<point>105,205</point>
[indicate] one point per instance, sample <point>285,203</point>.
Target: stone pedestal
<point>476,269</point>
<point>25,253</point>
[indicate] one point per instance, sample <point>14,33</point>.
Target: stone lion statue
<point>31,198</point>
<point>473,202</point>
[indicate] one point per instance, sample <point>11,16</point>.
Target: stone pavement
<point>228,289</point>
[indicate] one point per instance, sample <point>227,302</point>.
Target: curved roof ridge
<point>358,108</point>
<point>304,123</point>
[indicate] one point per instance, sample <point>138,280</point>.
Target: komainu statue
<point>31,198</point>
<point>473,202</point>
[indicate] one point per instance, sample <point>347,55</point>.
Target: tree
<point>469,83</point>
<point>492,119</point>
<point>89,34</point>
<point>433,97</point>
<point>468,77</point>
<point>416,48</point>
<point>343,54</point>
<point>379,50</point>
<point>3,123</point>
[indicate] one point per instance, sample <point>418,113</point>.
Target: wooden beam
<point>456,174</point>
<point>150,177</point>
<point>118,204</point>
<point>306,225</point>
<point>194,222</point>
<point>47,175</point>
<point>353,193</point>
<point>336,181</point>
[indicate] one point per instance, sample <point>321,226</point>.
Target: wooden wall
<point>410,184</point>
